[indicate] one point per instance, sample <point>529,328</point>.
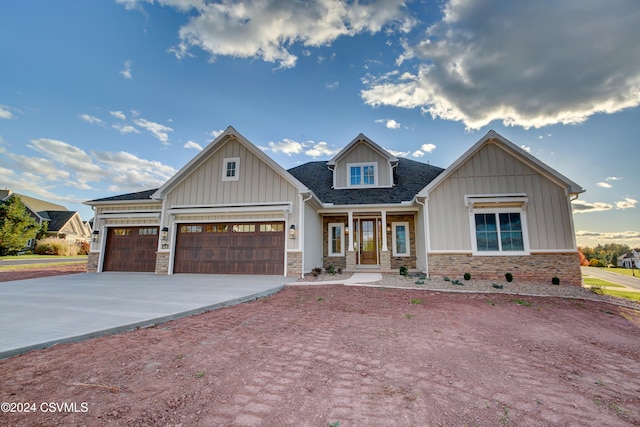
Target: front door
<point>368,242</point>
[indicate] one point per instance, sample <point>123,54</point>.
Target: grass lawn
<point>53,257</point>
<point>39,265</point>
<point>592,281</point>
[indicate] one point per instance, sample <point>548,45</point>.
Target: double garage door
<point>220,248</point>
<point>230,248</point>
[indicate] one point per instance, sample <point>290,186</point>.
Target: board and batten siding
<point>362,153</point>
<point>492,170</point>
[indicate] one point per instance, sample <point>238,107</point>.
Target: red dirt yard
<point>311,356</point>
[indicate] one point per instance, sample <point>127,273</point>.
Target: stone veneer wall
<point>162,262</point>
<point>534,268</point>
<point>92,262</point>
<point>294,264</point>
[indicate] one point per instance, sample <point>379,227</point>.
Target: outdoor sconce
<point>346,230</point>
<point>95,236</point>
<point>388,228</point>
<point>164,235</point>
<point>292,231</point>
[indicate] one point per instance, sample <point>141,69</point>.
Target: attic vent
<point>478,201</point>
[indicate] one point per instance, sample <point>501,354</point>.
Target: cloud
<point>332,86</point>
<point>270,29</point>
<point>528,64</point>
<point>66,157</point>
<point>128,172</point>
<point>398,153</point>
<point>604,185</point>
<point>194,145</point>
<point>427,148</point>
<point>627,203</point>
<point>125,128</point>
<point>613,178</point>
<point>158,130</point>
<point>126,71</point>
<point>389,123</point>
<point>286,146</point>
<point>118,115</point>
<point>5,113</point>
<point>620,235</point>
<point>321,149</point>
<point>417,153</point>
<point>91,119</point>
<point>216,133</point>
<point>526,148</point>
<point>580,206</point>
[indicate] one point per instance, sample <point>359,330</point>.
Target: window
<point>244,228</point>
<point>267,228</point>
<point>216,228</point>
<point>400,239</point>
<point>499,232</point>
<point>147,231</point>
<point>121,231</point>
<point>230,169</point>
<point>191,229</point>
<point>362,174</point>
<point>336,239</point>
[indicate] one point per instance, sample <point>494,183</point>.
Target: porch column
<point>384,231</point>
<point>351,255</point>
<point>350,225</point>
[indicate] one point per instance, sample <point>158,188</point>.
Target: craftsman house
<point>233,209</point>
<point>61,222</point>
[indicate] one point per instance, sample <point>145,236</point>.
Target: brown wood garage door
<point>230,248</point>
<point>131,249</point>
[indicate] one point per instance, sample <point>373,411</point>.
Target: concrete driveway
<point>38,313</point>
<point>632,282</point>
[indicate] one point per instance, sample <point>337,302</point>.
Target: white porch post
<point>384,231</point>
<point>350,225</point>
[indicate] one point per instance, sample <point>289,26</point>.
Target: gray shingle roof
<point>410,177</point>
<point>140,195</point>
<point>57,219</point>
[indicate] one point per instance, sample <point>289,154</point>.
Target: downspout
<point>426,232</point>
<point>301,234</point>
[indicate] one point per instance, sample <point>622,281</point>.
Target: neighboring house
<point>233,209</point>
<point>62,223</point>
<point>630,259</point>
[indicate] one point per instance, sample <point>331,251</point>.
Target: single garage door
<point>230,248</point>
<point>131,249</point>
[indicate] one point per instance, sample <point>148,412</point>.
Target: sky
<point>99,98</point>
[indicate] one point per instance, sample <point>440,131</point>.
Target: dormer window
<point>362,174</point>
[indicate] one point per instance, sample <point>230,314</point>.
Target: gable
<point>256,181</point>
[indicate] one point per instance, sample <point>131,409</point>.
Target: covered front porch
<point>369,240</point>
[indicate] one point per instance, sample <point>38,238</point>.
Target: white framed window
<point>362,174</point>
<point>335,243</point>
<point>400,240</point>
<point>230,169</point>
<point>499,231</point>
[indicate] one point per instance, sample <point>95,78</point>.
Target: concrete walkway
<point>355,279</point>
<point>38,313</point>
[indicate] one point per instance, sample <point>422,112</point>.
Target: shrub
<point>404,271</point>
<point>55,246</point>
<point>83,248</point>
<point>555,281</point>
<point>446,279</point>
<point>467,276</point>
<point>597,289</point>
<point>508,277</point>
<point>316,271</point>
<point>596,263</point>
<point>331,269</point>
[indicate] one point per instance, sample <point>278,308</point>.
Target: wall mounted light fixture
<point>292,231</point>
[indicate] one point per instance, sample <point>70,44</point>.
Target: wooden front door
<point>368,242</point>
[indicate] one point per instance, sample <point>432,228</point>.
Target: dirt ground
<point>317,355</point>
<point>32,273</point>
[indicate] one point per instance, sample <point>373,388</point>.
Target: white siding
<point>492,170</point>
<point>312,239</point>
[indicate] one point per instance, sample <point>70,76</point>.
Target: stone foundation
<point>351,260</point>
<point>92,262</point>
<point>534,268</point>
<point>294,264</point>
<point>385,260</point>
<point>162,262</point>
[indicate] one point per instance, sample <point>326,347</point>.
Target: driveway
<point>632,282</point>
<point>37,313</point>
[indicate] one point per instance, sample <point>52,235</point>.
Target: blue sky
<point>106,97</point>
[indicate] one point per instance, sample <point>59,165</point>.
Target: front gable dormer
<point>362,164</point>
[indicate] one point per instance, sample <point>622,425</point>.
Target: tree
<point>17,227</point>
